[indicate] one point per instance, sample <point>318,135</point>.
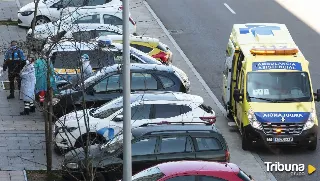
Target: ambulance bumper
<point>258,137</point>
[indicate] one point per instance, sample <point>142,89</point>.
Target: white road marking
<point>228,7</point>
<point>204,84</point>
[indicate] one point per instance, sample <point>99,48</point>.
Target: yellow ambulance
<point>267,89</point>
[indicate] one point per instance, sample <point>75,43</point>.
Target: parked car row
<point>168,123</point>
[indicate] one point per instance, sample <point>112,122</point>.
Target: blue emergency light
<point>104,41</point>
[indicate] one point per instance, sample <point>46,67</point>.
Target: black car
<point>152,144</point>
<point>106,85</point>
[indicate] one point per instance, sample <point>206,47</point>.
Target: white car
<point>146,107</point>
<point>50,10</point>
<point>82,18</point>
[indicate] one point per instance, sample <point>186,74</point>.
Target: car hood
<point>97,156</point>
<point>273,112</point>
<point>76,118</point>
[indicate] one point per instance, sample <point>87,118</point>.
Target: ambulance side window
<point>242,82</point>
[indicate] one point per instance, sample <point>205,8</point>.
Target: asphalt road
<point>202,27</point>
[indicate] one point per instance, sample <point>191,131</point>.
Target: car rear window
<point>208,143</point>
<point>206,108</point>
<point>153,173</point>
<point>244,176</point>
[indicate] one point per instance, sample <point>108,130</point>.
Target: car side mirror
<point>237,95</point>
<point>90,91</point>
<point>317,95</point>
<point>120,156</point>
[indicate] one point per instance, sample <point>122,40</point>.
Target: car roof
<point>166,96</point>
<point>134,38</point>
<point>66,45</point>
<point>154,128</point>
<point>177,167</point>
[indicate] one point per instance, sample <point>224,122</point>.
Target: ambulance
<point>267,89</point>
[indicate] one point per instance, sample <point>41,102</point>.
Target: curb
<point>204,84</point>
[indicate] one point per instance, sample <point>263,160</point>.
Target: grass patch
<point>42,175</point>
<point>9,22</point>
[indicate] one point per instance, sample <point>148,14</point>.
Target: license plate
<point>282,140</point>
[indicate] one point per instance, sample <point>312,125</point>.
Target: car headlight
<point>310,122</point>
<point>65,129</point>
<point>72,165</point>
<point>26,13</point>
<point>253,120</point>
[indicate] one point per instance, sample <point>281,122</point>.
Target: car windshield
<point>113,106</point>
<point>278,87</point>
<point>70,59</point>
<point>150,174</point>
<point>243,176</point>
<point>115,143</point>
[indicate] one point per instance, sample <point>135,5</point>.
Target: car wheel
<point>313,145</point>
<point>60,151</point>
<point>93,139</point>
<point>245,142</point>
<point>42,20</point>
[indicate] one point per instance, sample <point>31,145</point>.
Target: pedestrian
<point>41,71</point>
<point>86,67</point>
<point>28,81</point>
<point>14,61</point>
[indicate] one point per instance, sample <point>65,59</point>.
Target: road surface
<point>202,27</point>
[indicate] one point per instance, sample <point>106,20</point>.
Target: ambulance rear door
<point>227,75</point>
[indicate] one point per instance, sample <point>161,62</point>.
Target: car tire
<point>313,145</point>
<point>94,139</point>
<point>41,20</point>
<point>245,142</point>
<point>60,151</point>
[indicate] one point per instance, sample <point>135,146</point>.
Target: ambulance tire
<point>245,142</point>
<point>313,145</point>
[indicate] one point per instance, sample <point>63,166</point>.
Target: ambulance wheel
<point>245,142</point>
<point>313,145</point>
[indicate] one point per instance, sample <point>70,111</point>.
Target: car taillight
<point>131,20</point>
<point>210,119</point>
<point>120,8</point>
<point>163,56</point>
<point>227,156</point>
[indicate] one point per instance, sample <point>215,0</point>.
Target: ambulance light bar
<point>274,51</point>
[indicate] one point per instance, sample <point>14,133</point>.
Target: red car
<point>193,171</point>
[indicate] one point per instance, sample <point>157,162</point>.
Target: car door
<point>105,90</point>
<point>175,148</point>
<point>143,153</point>
<point>143,81</point>
<point>208,148</point>
<point>53,11</point>
<point>70,6</point>
<point>239,104</point>
<point>166,112</point>
<point>87,20</point>
<point>112,20</point>
<point>227,74</point>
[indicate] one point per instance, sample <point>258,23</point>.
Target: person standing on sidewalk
<point>41,70</point>
<point>14,61</point>
<point>28,81</point>
<point>86,67</point>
